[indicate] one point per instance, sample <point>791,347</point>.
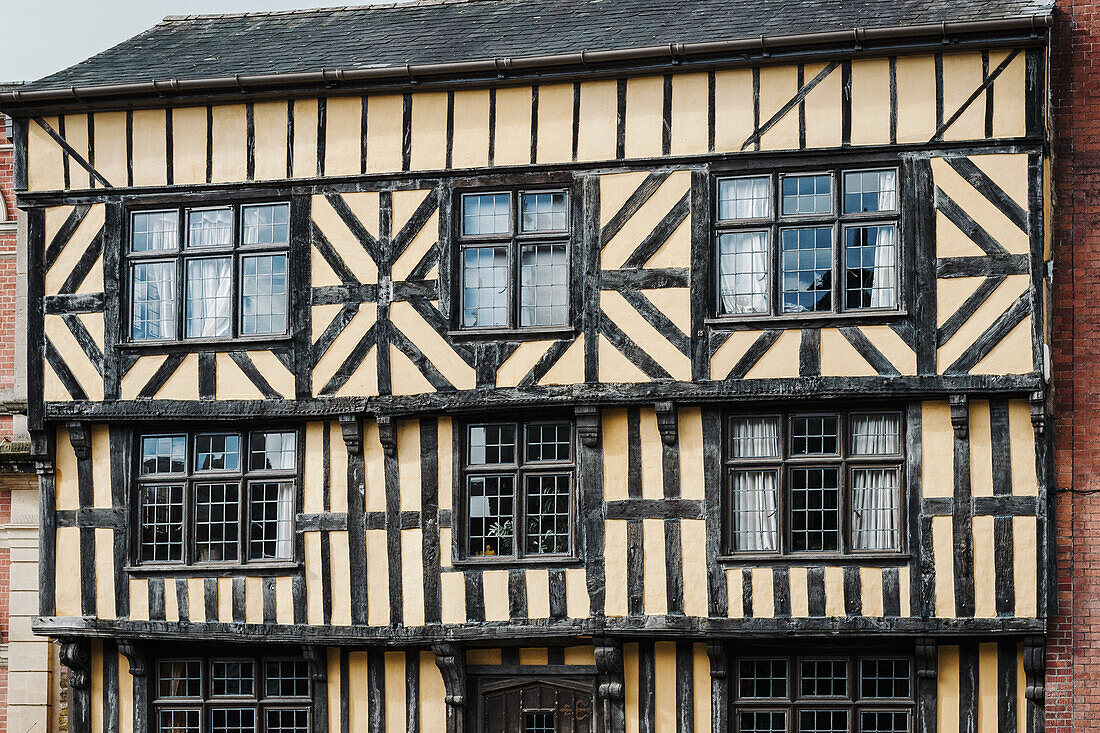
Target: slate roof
<point>435,31</point>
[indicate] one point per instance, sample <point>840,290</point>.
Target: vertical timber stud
<point>47,512</point>
<point>113,280</point>
<point>80,436</point>
<point>590,460</point>
<point>317,656</point>
<point>927,666</point>
<point>611,691</point>
<point>351,428</point>
<point>300,310</point>
<point>719,686</point>
<point>1034,669</point>
<point>962,530</point>
<point>135,655</point>
<point>76,654</point>
<point>452,665</point>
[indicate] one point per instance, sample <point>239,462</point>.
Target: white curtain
<point>155,288</point>
<point>744,272</point>
<point>285,520</point>
<point>754,490</point>
<point>209,297</point>
<point>883,287</point>
<point>875,435</point>
<point>875,491</point>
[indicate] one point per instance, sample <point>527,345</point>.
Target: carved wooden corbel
<point>927,659</point>
<point>609,668</point>
<point>1034,669</point>
<point>76,654</point>
<point>352,431</point>
<point>588,424</point>
<point>80,435</point>
<point>719,659</point>
<point>666,422</point>
<point>1038,412</point>
<point>387,434</point>
<point>318,663</point>
<point>452,666</point>
<point>135,655</point>
<point>960,415</point>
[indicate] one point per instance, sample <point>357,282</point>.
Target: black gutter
<point>671,52</point>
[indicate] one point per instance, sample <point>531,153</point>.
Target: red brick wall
<point>1073,651</point>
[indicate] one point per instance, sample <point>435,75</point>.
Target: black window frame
<point>514,240</point>
<point>843,460</point>
<point>236,250</point>
<point>206,702</point>
<point>518,470</point>
<point>776,222</point>
<point>853,701</point>
<point>243,477</point>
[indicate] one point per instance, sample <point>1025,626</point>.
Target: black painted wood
<point>635,568</point>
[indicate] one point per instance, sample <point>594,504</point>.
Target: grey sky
<point>39,37</point>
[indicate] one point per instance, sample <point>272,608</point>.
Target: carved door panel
<point>537,707</point>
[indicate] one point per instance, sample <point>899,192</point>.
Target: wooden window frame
<point>236,251</point>
<point>853,703</point>
<point>776,222</point>
<point>243,477</point>
<point>843,460</point>
<point>519,469</point>
<point>513,241</point>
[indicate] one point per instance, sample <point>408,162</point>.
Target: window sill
<point>214,569</point>
<point>890,559</point>
<point>512,562</point>
<point>868,317</point>
<point>512,334</point>
<point>220,344</point>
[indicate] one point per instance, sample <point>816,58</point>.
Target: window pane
<point>153,308</point>
<point>807,194</point>
<point>271,512</point>
<point>283,720</point>
<point>492,444</point>
<point>267,224</point>
<point>273,452</point>
<point>762,678</point>
<point>209,297</point>
<point>162,523</point>
<point>544,212</point>
<point>754,437</point>
<point>286,678</point>
<point>179,678</point>
<point>870,257</point>
<point>807,269</point>
<point>177,721</point>
<point>263,294</point>
<point>823,678</point>
<point>486,214</point>
<point>491,514</point>
<point>762,721</point>
<point>744,198</point>
<point>549,441</point>
<point>210,228</point>
<point>216,520</point>
<point>233,720</point>
<point>538,722</point>
<point>547,514</point>
<point>884,721</point>
<point>866,191</point>
<point>743,272</point>
<point>544,285</point>
<point>884,678</point>
<point>875,520</point>
<point>217,452</point>
<point>232,678</point>
<point>753,521</point>
<point>822,721</point>
<point>815,435</point>
<point>876,435</point>
<point>163,454</point>
<point>815,509</point>
<point>484,287</point>
<point>155,231</point>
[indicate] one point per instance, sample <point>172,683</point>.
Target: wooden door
<point>537,706</point>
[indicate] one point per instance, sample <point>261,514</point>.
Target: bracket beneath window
<point>352,431</point>
<point>588,424</point>
<point>719,660</point>
<point>452,666</point>
<point>1038,412</point>
<point>80,435</point>
<point>76,654</point>
<point>927,659</point>
<point>318,665</point>
<point>135,656</point>
<point>387,434</point>
<point>1034,669</point>
<point>666,422</point>
<point>960,415</point>
<point>609,667</point>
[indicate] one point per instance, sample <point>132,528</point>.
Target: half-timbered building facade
<point>546,366</point>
